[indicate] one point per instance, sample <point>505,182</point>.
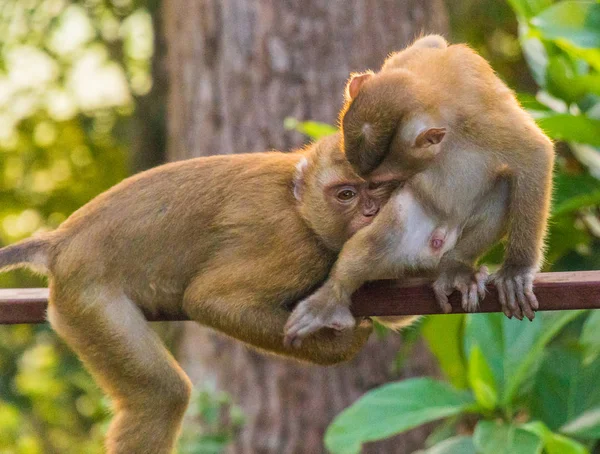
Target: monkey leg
<point>261,325</point>
<point>486,226</point>
<point>150,392</point>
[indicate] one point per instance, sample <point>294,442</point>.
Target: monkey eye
<point>346,195</point>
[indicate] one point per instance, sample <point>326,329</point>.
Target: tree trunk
<point>237,69</point>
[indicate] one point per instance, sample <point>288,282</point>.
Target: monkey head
<point>333,199</point>
<point>386,120</point>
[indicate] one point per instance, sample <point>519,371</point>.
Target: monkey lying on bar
<point>482,167</point>
<point>232,241</point>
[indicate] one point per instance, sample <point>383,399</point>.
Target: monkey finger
<point>291,332</point>
<point>502,298</point>
<point>481,278</point>
<point>523,302</point>
<point>512,300</point>
<point>442,299</point>
<point>301,334</point>
<point>294,337</point>
<point>528,284</point>
<point>301,310</point>
<point>473,298</point>
<point>464,292</point>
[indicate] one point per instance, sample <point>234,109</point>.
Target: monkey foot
<point>515,291</point>
<point>470,284</point>
<point>320,310</point>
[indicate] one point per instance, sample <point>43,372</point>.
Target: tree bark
<point>237,69</point>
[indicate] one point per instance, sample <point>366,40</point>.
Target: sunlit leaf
<point>392,409</point>
<point>444,338</point>
<point>312,129</point>
<point>528,8</point>
<point>571,128</point>
<point>575,21</point>
<point>485,331</point>
<point>554,443</point>
<point>482,380</point>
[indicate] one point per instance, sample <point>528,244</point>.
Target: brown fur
<point>490,174</point>
<point>222,239</point>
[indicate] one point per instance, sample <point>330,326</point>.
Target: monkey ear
<point>429,137</point>
<point>431,42</point>
<point>355,84</point>
<point>299,178</point>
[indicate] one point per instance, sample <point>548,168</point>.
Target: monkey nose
<point>371,212</point>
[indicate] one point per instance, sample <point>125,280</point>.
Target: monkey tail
<point>31,253</point>
<point>396,323</point>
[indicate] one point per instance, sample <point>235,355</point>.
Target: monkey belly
<point>417,228</point>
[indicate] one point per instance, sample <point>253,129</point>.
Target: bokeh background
<point>93,91</point>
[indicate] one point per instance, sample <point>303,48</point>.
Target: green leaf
<point>586,425</point>
<point>524,347</point>
<point>312,129</point>
<point>590,56</point>
<point>481,380</point>
<point>590,337</point>
<point>554,443</point>
<point>443,334</point>
<point>485,331</point>
<point>573,192</point>
<point>574,21</point>
<point>550,396</point>
<point>571,128</point>
<point>535,53</point>
<point>455,445</point>
<point>563,82</point>
<point>493,437</point>
<point>392,409</point>
<point>528,8</point>
<point>530,102</point>
<point>445,429</point>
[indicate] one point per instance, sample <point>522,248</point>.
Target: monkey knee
<point>175,395</point>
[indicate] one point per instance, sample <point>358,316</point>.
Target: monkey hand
<point>469,282</point>
<point>515,291</point>
<point>320,310</point>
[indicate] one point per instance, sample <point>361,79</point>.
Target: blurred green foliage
<point>517,387</point>
<point>69,76</point>
<point>212,422</point>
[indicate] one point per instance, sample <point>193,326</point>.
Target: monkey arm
<point>397,238</point>
<point>235,312</point>
<point>529,209</point>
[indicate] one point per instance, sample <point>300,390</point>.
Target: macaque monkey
<point>482,167</point>
<point>231,241</point>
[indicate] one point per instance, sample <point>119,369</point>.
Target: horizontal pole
<point>555,291</point>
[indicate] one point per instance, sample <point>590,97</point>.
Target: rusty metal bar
<point>555,291</point>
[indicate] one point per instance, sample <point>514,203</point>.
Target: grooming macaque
<point>231,241</point>
<point>484,169</point>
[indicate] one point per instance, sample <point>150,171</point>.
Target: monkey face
<point>386,124</point>
<point>357,202</point>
